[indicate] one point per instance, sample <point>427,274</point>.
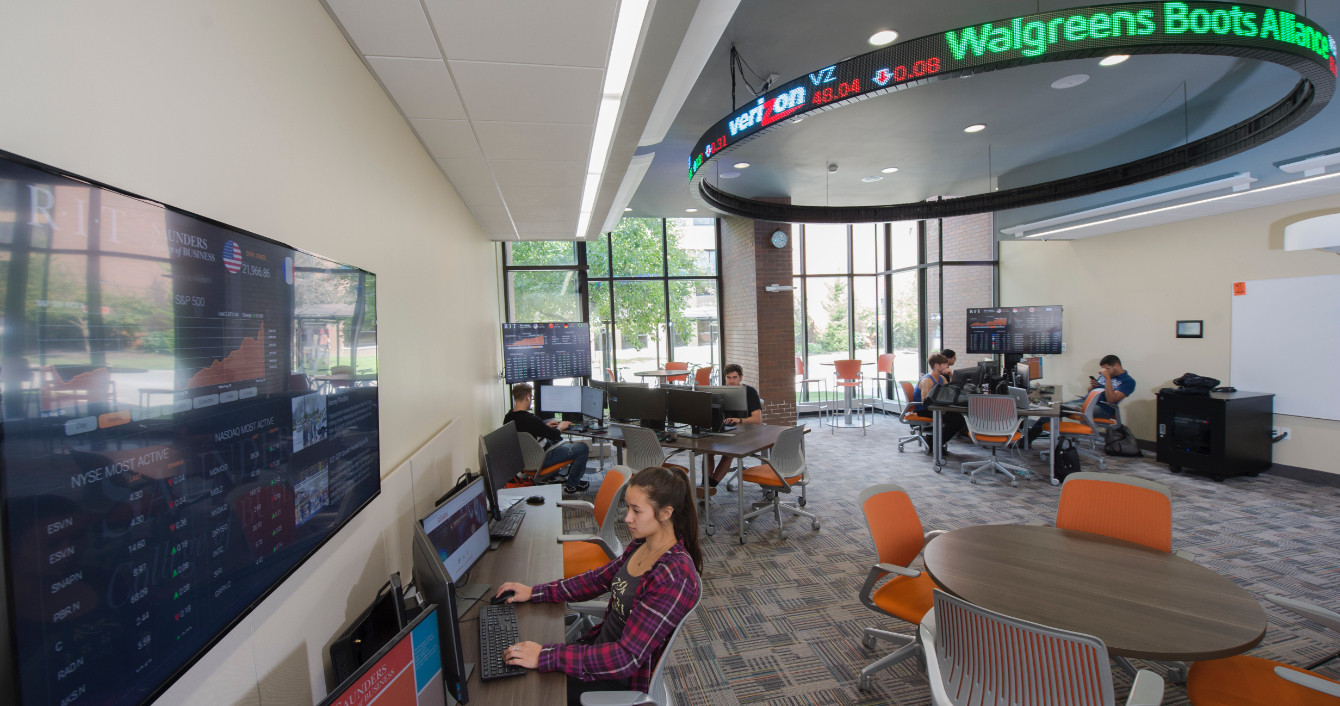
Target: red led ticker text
<point>832,93</point>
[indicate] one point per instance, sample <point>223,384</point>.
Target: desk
<point>847,399</point>
<point>1053,411</point>
<point>533,556</point>
<point>1141,602</point>
<point>746,440</point>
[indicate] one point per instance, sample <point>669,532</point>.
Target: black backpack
<point>1121,442</point>
<point>1067,459</point>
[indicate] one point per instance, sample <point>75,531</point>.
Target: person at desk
<point>754,415</point>
<point>1117,385</point>
<point>951,423</point>
<point>552,432</point>
<point>652,588</point>
<point>952,357</point>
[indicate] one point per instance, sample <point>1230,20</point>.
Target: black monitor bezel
<point>486,468</point>
<point>1060,309</point>
<point>543,408</point>
<point>447,499</point>
<point>672,395</point>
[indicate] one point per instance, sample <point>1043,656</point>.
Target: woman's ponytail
<point>674,489</point>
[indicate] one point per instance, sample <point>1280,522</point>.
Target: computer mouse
<point>535,500</point>
<point>499,600</point>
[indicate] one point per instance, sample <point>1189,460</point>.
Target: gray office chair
<point>785,469</point>
<point>656,694</point>
<point>976,657</point>
<point>993,424</point>
<point>532,455</point>
<point>641,448</point>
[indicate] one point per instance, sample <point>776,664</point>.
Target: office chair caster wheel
<point>864,685</point>
<point>1102,466</point>
<point>868,642</point>
<point>711,530</point>
<point>1055,482</point>
<point>781,535</point>
<point>742,541</point>
<point>814,526</point>
<point>802,502</point>
<point>900,448</point>
<point>973,481</point>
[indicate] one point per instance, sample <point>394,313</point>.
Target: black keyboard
<point>511,521</point>
<point>497,632</point>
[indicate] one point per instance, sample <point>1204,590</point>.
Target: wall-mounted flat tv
<point>189,412</point>
<point>1027,330</point>
<point>546,351</point>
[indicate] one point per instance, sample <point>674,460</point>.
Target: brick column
<point>759,326</point>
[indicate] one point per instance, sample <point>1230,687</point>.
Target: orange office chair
<point>1252,681</point>
<point>919,423</point>
<point>1084,428</point>
<point>676,365</point>
<point>532,455</point>
<point>584,552</point>
<point>899,539</point>
<point>703,376</point>
<point>804,383</point>
<point>609,375</point>
<point>884,375</point>
<point>847,376</point>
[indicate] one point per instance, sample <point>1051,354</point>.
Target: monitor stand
<point>467,594</point>
<point>469,667</point>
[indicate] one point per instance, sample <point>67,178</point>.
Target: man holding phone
<point>1116,383</point>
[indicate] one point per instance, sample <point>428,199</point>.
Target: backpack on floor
<point>1121,442</point>
<point>1067,459</point>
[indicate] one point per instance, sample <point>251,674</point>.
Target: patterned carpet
<point>780,622</point>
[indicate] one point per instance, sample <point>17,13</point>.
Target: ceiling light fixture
<point>626,209</point>
<point>1114,59</point>
<point>690,210</point>
<point>1070,81</point>
<point>871,178</point>
<point>729,175</point>
<point>882,37</point>
<point>975,128</point>
<point>741,165</point>
<point>627,29</point>
<point>889,170</point>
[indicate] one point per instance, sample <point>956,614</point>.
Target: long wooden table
<point>533,556</point>
<point>1141,602</point>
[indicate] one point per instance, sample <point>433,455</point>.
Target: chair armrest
<point>594,608</point>
<point>1315,613</point>
<point>895,569</point>
<point>873,577</point>
<point>615,698</point>
<point>589,538</point>
<point>577,505</point>
<point>1147,689</point>
<point>1185,554</point>
<point>1314,683</point>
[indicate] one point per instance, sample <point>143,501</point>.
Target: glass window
<point>825,249</point>
<point>868,317</point>
<point>639,315</point>
<point>903,245</point>
<point>691,246</point>
<point>867,248</point>
<point>827,309</point>
<point>638,248</point>
<point>539,296</point>
<point>797,247</point>
<point>602,329</point>
<point>542,252</point>
<point>905,326</point>
<point>693,315</point>
<point>597,256</point>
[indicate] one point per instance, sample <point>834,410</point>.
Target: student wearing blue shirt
<point>1116,383</point>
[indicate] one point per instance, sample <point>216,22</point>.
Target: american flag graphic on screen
<point>232,257</point>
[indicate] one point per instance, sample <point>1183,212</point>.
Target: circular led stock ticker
<point>1244,31</point>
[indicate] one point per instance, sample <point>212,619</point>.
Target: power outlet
<point>1063,346</point>
<point>1276,431</point>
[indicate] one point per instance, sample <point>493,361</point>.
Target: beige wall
<point>1123,293</point>
<point>260,115</point>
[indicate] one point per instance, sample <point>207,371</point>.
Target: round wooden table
<point>1141,602</point>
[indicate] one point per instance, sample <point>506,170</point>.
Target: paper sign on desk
<point>1239,288</point>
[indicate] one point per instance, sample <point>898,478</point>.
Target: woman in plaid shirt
<point>652,587</point>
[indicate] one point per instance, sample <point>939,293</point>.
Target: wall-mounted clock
<point>779,239</point>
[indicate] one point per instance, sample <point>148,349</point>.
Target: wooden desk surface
<point>533,556</point>
<point>747,439</point>
<point>1139,601</point>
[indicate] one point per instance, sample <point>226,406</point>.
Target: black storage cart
<point>1220,435</point>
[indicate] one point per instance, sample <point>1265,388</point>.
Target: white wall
<point>1124,292</point>
<point>259,114</point>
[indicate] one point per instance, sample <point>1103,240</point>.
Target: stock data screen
<point>1033,330</point>
<point>546,351</point>
<point>189,411</point>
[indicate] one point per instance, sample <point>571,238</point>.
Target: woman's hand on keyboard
<point>523,654</point>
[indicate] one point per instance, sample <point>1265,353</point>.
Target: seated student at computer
<point>951,423</point>
<point>550,431</point>
<point>1117,385</point>
<point>652,588</point>
<point>753,415</point>
<point>952,357</point>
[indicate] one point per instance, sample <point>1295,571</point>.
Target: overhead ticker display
<point>546,351</point>
<point>189,412</point>
<point>1070,33</point>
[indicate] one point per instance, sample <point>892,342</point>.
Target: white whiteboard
<point>1286,340</point>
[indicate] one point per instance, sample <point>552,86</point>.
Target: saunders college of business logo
<point>232,257</point>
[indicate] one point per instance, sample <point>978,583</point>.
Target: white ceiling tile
<point>387,27</point>
<point>497,214</point>
<point>543,195</point>
<point>421,87</point>
<point>534,141</point>
<point>569,33</point>
<point>447,139</point>
<point>479,195</point>
<point>529,93</point>
<point>564,226</point>
<point>466,171</point>
<point>527,172</point>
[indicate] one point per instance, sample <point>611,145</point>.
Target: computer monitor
<point>560,398</point>
<point>964,375</point>
<point>613,389</point>
<point>1034,368</point>
<point>1021,375</point>
<point>734,398</point>
<point>642,403</point>
<point>459,529</point>
<point>379,623</point>
<point>414,657</point>
<point>690,407</point>
<point>500,459</point>
<point>1015,329</point>
<point>593,403</point>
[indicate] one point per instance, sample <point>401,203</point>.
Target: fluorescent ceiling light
<point>690,210</point>
<point>741,165</point>
<point>882,37</point>
<point>872,178</point>
<point>729,175</point>
<point>1070,81</point>
<point>1114,60</point>
<point>1237,182</point>
<point>626,209</point>
<point>889,170</point>
<point>1312,166</point>
<point>975,128</point>
<point>627,29</point>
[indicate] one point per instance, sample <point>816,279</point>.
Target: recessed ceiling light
<point>872,178</point>
<point>729,175</point>
<point>691,210</point>
<point>1114,60</point>
<point>890,170</point>
<point>627,209</point>
<point>975,128</point>
<point>1070,81</point>
<point>882,37</point>
<point>741,165</point>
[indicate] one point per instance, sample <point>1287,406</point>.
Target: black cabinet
<point>1221,435</point>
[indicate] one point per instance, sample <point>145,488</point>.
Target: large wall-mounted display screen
<point>546,351</point>
<point>1031,330</point>
<point>189,412</point>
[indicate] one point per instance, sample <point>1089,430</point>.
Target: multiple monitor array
<point>546,351</point>
<point>190,411</point>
